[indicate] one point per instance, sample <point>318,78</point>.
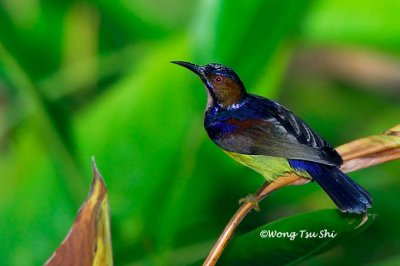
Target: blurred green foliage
<point>82,78</point>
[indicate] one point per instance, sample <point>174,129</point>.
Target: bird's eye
<point>218,79</point>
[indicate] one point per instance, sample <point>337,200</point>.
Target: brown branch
<point>358,154</point>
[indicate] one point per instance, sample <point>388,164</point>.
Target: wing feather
<point>267,128</point>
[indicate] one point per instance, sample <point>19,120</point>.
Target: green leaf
<point>285,241</point>
<point>360,23</point>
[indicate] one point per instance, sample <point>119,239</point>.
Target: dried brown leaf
<point>371,150</point>
<point>89,240</point>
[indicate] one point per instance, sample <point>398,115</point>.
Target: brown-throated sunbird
<point>270,139</point>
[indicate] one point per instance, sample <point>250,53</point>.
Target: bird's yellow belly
<point>268,166</point>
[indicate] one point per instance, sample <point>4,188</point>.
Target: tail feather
<point>345,192</point>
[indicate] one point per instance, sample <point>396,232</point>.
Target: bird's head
<point>223,85</point>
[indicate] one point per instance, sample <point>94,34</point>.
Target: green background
<point>83,78</point>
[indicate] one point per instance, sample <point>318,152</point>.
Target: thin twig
<point>358,154</point>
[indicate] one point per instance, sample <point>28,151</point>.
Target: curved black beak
<point>199,70</point>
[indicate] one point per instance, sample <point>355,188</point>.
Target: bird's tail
<point>346,193</point>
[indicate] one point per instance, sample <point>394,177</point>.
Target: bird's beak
<point>199,70</point>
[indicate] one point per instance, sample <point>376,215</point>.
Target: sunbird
<point>270,139</point>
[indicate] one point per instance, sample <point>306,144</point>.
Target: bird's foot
<point>251,198</point>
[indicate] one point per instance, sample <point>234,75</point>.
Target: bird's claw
<point>251,199</point>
